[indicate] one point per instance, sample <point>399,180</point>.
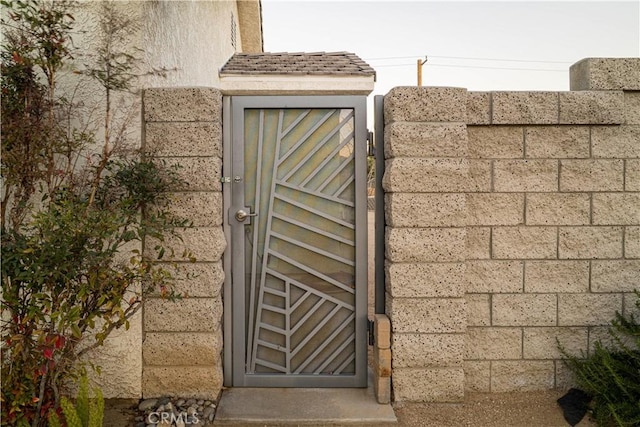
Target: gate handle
<point>241,215</point>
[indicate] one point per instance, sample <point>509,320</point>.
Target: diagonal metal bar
<point>316,193</point>
<point>273,308</point>
<point>312,248</point>
<point>304,138</point>
<point>275,292</point>
<point>312,271</point>
<point>339,169</point>
<point>327,341</point>
<point>265,257</point>
<point>315,292</point>
<point>307,315</point>
<point>317,147</point>
<point>295,122</point>
<point>331,155</point>
<point>302,299</point>
<point>336,353</point>
<point>270,365</point>
<point>312,334</point>
<point>271,345</point>
<point>315,211</point>
<point>272,328</point>
<point>350,358</point>
<point>344,186</point>
<point>314,229</point>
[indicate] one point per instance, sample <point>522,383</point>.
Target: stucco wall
<point>512,219</point>
<point>192,40</point>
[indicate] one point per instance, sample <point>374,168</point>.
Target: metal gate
<point>295,206</point>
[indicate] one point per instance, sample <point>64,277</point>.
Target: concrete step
<point>302,406</point>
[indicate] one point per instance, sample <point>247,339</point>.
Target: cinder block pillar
<point>426,178</point>
<point>605,74</point>
<point>183,339</point>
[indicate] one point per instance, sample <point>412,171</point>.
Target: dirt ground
<point>523,409</point>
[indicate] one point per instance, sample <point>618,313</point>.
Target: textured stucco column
<point>183,340</point>
<point>425,182</point>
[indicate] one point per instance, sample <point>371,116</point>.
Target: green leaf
<point>75,330</point>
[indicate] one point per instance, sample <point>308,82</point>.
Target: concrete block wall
<point>512,220</point>
<point>182,340</point>
<point>427,176</point>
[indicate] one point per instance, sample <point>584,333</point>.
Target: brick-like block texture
<point>426,180</point>
<point>188,348</point>
<point>183,339</point>
<point>595,107</point>
<point>425,104</point>
<point>428,384</point>
<point>412,350</point>
<point>382,358</point>
<point>182,105</point>
<point>426,315</point>
<point>202,382</point>
<point>411,139</point>
<point>525,108</point>
<point>605,74</point>
<point>521,375</point>
<point>527,220</point>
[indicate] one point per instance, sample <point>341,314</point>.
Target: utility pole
<point>420,64</point>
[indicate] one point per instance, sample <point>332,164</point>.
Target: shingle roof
<point>301,63</point>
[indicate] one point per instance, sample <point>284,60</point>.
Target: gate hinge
<point>372,338</point>
<point>225,179</point>
<point>371,149</point>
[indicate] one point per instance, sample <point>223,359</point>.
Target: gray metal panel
<point>378,111</point>
<point>227,295</point>
<point>361,238</point>
<point>236,330</point>
<point>237,242</point>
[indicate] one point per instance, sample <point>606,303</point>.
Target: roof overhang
<point>289,84</point>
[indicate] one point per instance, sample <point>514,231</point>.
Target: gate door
<point>297,226</point>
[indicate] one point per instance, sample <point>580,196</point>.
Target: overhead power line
<point>470,58</point>
<point>470,66</point>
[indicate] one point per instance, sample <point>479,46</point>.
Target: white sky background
<point>538,35</point>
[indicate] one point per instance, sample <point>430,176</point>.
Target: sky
<point>478,45</point>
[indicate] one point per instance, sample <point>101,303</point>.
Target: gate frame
<point>234,371</point>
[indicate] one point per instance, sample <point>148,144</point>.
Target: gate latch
<point>241,215</point>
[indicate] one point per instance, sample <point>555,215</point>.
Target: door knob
<point>241,215</point>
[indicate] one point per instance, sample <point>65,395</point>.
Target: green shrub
<point>87,412</point>
<point>75,203</point>
<point>611,374</point>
